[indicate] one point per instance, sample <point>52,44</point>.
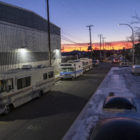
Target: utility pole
<point>103,39</point>
<point>89,26</point>
<point>100,45</point>
<point>49,34</point>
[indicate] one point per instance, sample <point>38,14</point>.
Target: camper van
<point>19,86</point>
<point>136,69</point>
<point>71,69</point>
<point>87,64</point>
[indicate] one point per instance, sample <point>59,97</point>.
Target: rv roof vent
<point>114,102</point>
<point>116,129</point>
<point>26,66</point>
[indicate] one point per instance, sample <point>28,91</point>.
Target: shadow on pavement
<point>50,104</point>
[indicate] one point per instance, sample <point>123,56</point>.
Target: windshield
<point>67,69</point>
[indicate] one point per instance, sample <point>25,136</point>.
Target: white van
<point>71,69</point>
<point>87,64</point>
<point>22,85</point>
<point>136,69</point>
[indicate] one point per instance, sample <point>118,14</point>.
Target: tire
<point>40,94</point>
<point>8,109</point>
<point>73,77</point>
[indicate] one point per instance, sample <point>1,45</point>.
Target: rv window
<point>19,83</point>
<point>2,86</point>
<point>23,82</point>
<point>50,74</point>
<point>6,85</point>
<point>66,64</point>
<point>9,84</point>
<point>45,76</point>
<point>28,81</point>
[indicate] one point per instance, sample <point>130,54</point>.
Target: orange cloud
<point>119,45</point>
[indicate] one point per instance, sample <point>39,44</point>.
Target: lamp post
<point>133,47</point>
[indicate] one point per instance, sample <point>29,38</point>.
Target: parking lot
<point>52,115</point>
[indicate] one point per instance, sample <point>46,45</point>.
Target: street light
<point>133,47</point>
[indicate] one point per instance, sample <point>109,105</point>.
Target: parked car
<point>115,60</point>
<point>136,69</point>
<point>96,62</point>
<point>125,64</point>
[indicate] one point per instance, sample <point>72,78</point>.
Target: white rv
<point>71,69</point>
<point>87,64</point>
<point>22,85</point>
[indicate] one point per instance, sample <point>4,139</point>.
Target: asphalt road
<point>49,117</point>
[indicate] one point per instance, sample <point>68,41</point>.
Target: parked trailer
<point>71,69</point>
<point>87,64</point>
<point>20,86</point>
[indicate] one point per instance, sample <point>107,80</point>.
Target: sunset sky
<point>73,16</point>
<point>118,45</point>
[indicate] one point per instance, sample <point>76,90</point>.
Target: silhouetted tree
<point>136,23</point>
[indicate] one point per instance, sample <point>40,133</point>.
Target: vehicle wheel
<point>72,78</point>
<point>40,94</point>
<point>7,109</point>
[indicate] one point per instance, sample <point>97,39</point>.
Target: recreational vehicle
<point>87,64</point>
<point>71,69</point>
<point>22,85</point>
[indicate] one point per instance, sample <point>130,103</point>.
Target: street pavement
<point>49,117</point>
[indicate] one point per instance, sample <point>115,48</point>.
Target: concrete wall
<point>23,45</point>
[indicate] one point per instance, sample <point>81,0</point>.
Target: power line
<point>69,39</point>
<point>65,38</point>
<point>69,35</point>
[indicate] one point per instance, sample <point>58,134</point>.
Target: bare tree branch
<point>136,21</point>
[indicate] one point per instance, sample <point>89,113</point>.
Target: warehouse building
<point>24,39</point>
